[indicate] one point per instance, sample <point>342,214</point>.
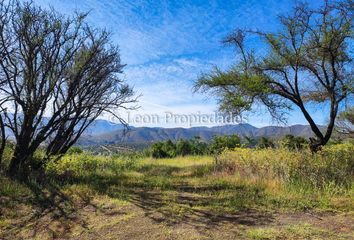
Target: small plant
<point>74,150</point>
<point>292,142</point>
<point>332,167</point>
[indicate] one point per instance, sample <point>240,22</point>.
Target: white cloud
<point>167,44</point>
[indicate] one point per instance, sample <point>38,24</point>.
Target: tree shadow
<point>196,211</point>
<point>192,205</point>
<point>50,206</point>
<point>199,206</point>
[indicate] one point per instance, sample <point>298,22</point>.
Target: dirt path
<point>160,201</point>
<point>145,217</point>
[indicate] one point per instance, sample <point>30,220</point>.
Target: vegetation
<point>231,188</point>
<point>307,61</point>
<point>264,142</point>
<point>57,66</point>
<point>345,122</point>
<point>83,196</point>
<point>194,146</point>
<point>294,142</point>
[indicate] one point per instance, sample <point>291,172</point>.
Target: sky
<point>168,44</point>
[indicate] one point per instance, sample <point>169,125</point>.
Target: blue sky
<point>168,44</point>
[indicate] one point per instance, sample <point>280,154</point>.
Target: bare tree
<point>56,69</point>
<point>92,95</point>
<point>307,61</point>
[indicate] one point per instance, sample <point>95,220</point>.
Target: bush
<point>163,149</point>
<point>220,143</point>
<point>198,147</point>
<point>183,147</point>
<point>74,150</point>
<point>194,146</point>
<point>168,149</point>
<point>333,165</point>
<point>157,150</point>
<point>88,165</point>
<point>292,142</point>
<point>264,142</point>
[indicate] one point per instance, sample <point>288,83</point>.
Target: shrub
<point>168,149</point>
<point>220,143</point>
<point>264,142</point>
<point>333,165</point>
<point>163,149</point>
<point>198,147</point>
<point>183,147</point>
<point>74,150</point>
<point>88,165</point>
<point>292,142</point>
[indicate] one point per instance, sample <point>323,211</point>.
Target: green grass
<point>298,231</point>
<point>179,189</point>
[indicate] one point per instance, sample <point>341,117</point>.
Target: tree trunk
<point>17,164</point>
<point>316,144</point>
<point>3,138</point>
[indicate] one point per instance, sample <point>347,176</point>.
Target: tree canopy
<point>307,62</point>
<point>58,74</point>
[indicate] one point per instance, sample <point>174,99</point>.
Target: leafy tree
<point>219,143</point>
<point>165,149</point>
<point>183,147</point>
<point>294,142</point>
<point>170,148</point>
<point>56,66</point>
<point>307,61</point>
<point>264,142</point>
<point>198,147</point>
<point>158,151</point>
<point>250,142</point>
<point>345,122</point>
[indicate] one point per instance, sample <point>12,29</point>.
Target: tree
<point>58,75</point>
<point>219,143</point>
<point>264,142</point>
<point>292,142</point>
<point>307,61</point>
<point>165,149</point>
<point>198,147</point>
<point>169,148</point>
<point>183,147</point>
<point>250,142</point>
<point>345,122</point>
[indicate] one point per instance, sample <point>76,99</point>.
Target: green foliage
<point>264,180</point>
<point>74,150</point>
<point>288,75</point>
<point>250,142</point>
<point>168,149</point>
<point>292,142</point>
<point>264,142</point>
<point>165,149</point>
<point>345,122</point>
<point>85,165</point>
<point>194,146</point>
<point>198,147</point>
<point>220,143</point>
<point>331,169</point>
<point>183,147</point>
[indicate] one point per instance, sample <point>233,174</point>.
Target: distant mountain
<point>101,126</point>
<point>103,133</point>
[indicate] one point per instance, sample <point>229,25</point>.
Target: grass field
<point>243,194</point>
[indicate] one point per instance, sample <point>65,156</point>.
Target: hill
<point>110,135</point>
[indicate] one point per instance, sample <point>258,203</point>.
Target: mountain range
<point>105,132</point>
